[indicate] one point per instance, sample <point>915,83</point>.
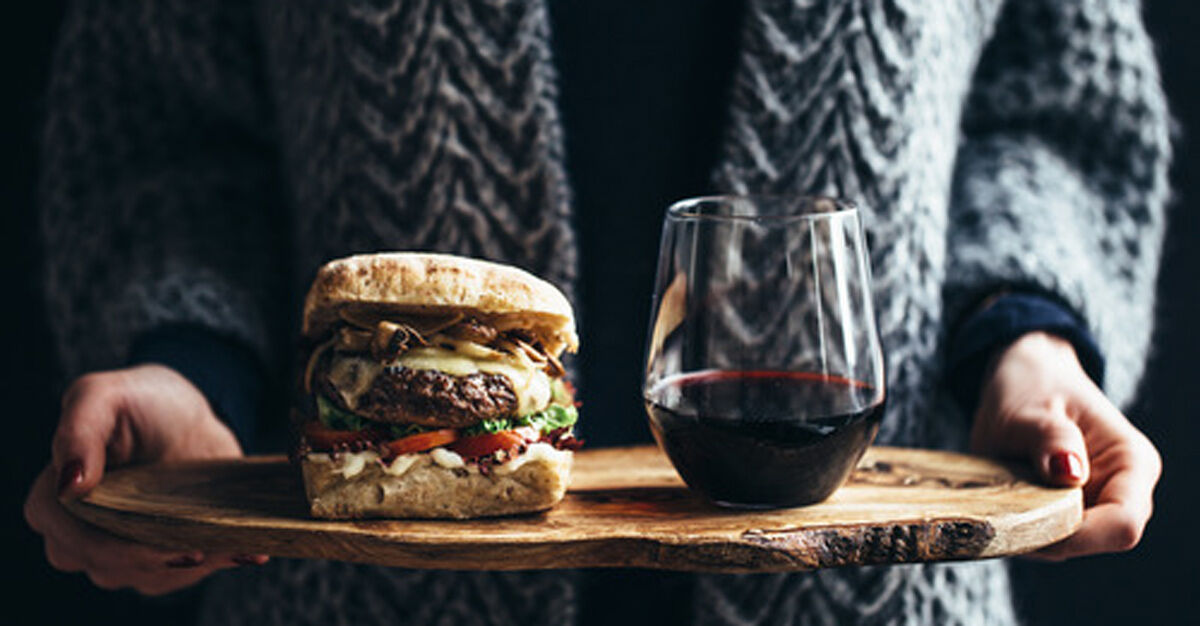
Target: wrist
<point>1040,354</point>
<point>1038,348</point>
<point>1031,326</point>
<point>158,379</point>
<point>226,374</point>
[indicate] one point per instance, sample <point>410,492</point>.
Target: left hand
<point>1039,404</point>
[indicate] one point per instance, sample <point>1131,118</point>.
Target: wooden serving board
<point>626,508</point>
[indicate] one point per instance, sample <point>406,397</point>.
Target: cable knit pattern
<point>993,144</point>
<point>344,594</point>
<point>158,188</point>
<point>1059,185</point>
<point>1066,130</point>
<point>401,120</point>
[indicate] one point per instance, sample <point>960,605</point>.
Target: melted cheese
<point>352,376</point>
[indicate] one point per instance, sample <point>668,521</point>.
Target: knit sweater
<point>202,159</point>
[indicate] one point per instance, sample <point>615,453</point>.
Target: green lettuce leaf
<point>333,416</point>
<point>550,418</point>
<point>487,427</point>
<point>559,393</point>
<point>337,418</point>
<point>554,417</point>
<point>399,431</point>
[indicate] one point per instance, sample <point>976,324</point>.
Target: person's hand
<point>137,415</point>
<point>1039,404</point>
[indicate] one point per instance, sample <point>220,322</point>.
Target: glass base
<point>759,506</point>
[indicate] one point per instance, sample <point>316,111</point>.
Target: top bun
<point>425,283</point>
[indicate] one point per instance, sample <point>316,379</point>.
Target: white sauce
<point>401,464</point>
<point>351,464</point>
<point>446,458</point>
<point>535,452</point>
<point>348,464</point>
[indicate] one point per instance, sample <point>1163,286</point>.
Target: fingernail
<point>186,560</point>
<point>1065,465</point>
<point>71,475</point>
<point>249,559</point>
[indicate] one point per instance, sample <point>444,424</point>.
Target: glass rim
<point>685,209</point>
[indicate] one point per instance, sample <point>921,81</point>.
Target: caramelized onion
<point>391,339</point>
<point>521,342</point>
<point>353,339</point>
<point>311,367</point>
<point>430,324</point>
<point>554,367</point>
<point>473,330</point>
<point>424,324</point>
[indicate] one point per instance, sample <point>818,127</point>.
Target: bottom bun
<point>438,485</point>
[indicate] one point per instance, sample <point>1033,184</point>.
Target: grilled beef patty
<point>432,398</point>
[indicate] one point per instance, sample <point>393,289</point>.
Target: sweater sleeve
<point>1002,322</point>
<point>1061,182</point>
<point>222,369</point>
<point>158,187</point>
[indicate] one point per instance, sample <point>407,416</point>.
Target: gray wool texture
<point>202,159</point>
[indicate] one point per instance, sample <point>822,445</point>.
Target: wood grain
<point>626,508</point>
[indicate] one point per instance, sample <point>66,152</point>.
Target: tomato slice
<point>322,437</point>
<point>484,445</point>
<point>421,442</point>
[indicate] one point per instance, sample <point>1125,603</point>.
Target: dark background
<point>1154,584</point>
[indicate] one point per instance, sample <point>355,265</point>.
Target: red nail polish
<point>72,474</point>
<point>1066,465</point>
<point>248,559</point>
<point>186,560</point>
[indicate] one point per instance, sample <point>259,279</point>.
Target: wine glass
<point>764,374</point>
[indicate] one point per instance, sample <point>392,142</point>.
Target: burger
<point>432,388</point>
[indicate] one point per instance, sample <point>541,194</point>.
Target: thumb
<point>1051,441</point>
<point>89,416</point>
<point>1062,456</point>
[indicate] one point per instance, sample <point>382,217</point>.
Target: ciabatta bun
<point>426,283</point>
<point>428,490</point>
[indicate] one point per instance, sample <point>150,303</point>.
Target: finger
<point>177,574</point>
<point>110,563</point>
<point>1105,528</point>
<point>62,559</point>
<point>156,582</point>
<point>1132,469</point>
<point>88,419</point>
<point>159,585</point>
<point>1115,443</point>
<point>90,547</point>
<point>248,559</point>
<point>1123,503</point>
<point>1048,437</point>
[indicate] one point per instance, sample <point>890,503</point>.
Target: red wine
<point>764,438</point>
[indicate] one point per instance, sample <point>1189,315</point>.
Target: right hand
<point>137,415</point>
